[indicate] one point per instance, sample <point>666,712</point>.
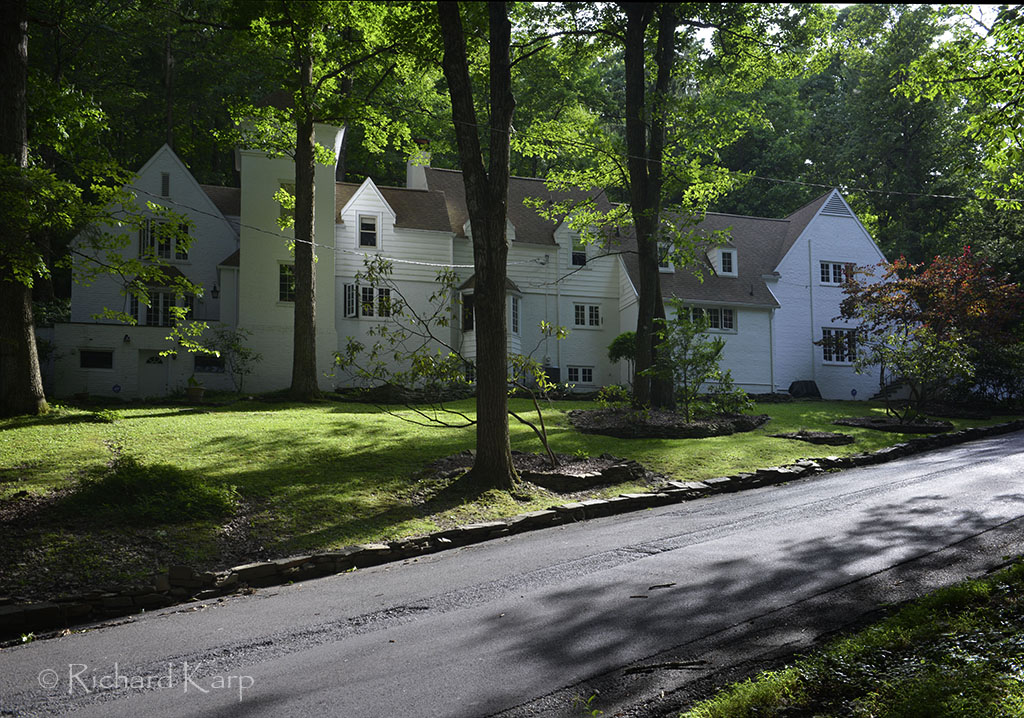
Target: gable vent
<point>836,207</point>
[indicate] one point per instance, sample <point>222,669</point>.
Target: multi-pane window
<point>664,255</point>
<point>180,249</point>
<point>366,306</point>
<point>581,374</point>
<point>468,315</point>
<point>367,302</point>
<point>158,313</point>
<point>587,315</point>
<point>95,359</point>
<point>579,252</point>
<point>727,265</point>
<point>351,308</point>
<point>384,302</point>
<point>720,318</point>
<point>286,283</point>
<point>838,345</point>
<point>156,241</point>
<point>513,315</point>
<point>835,272</point>
<point>367,230</point>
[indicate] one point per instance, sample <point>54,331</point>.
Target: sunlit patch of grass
<point>954,653</point>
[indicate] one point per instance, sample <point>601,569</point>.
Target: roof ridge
<point>749,216</point>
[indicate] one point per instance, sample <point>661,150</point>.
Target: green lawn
<point>956,653</point>
<point>304,478</point>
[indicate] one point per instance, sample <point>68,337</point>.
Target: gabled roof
<point>232,260</point>
<point>757,241</point>
<point>470,283</point>
<point>227,199</point>
<point>413,208</point>
<point>799,220</point>
<point>760,245</point>
<point>530,227</point>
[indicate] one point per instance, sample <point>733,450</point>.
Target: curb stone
<point>181,584</point>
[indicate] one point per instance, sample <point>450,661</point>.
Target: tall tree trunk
<point>169,94</point>
<point>645,142</point>
<point>487,203</point>
<point>21,385</point>
<point>304,377</point>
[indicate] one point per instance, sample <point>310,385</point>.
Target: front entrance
<point>152,374</point>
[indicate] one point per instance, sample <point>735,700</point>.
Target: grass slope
<point>956,653</point>
<point>210,487</point>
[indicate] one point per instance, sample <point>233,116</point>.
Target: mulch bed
<point>658,424</point>
<point>890,423</point>
<point>817,437</point>
<point>573,473</point>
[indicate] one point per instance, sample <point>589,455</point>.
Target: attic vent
<point>165,184</point>
<point>835,206</point>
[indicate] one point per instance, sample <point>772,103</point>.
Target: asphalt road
<point>637,612</point>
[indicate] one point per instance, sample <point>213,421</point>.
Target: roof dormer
<point>724,260</point>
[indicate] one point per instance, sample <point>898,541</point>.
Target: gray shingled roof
<point>760,245</point>
<point>232,259</point>
<point>227,199</point>
<point>414,208</point>
<point>530,227</point>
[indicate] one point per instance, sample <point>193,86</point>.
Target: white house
<point>772,291</point>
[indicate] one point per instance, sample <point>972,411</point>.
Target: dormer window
<point>727,262</point>
<point>664,256</point>
<point>367,230</point>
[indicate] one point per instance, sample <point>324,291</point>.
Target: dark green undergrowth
<point>956,653</point>
<point>131,493</point>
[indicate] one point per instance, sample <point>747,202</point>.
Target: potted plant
<point>195,390</point>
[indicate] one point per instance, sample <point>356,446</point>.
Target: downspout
<point>771,350</point>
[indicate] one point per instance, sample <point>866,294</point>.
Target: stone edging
<point>180,584</point>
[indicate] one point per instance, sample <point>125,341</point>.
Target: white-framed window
<point>367,230</point>
<point>578,252</point>
<point>367,302</point>
<point>351,307</point>
<point>286,283</point>
<point>383,302</point>
<point>158,312</point>
<point>835,273</point>
<point>586,315</point>
<point>96,358</point>
<point>580,374</point>
<point>727,263</point>
<point>721,319</point>
<point>156,241</point>
<point>665,256</point>
<point>839,346</point>
<point>513,314</point>
<point>366,305</point>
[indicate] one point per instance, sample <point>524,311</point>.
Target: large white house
<point>772,291</point>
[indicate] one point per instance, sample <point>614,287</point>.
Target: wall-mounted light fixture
<point>127,339</point>
<point>215,292</point>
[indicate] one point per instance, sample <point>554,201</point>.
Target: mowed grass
<point>312,477</point>
<point>956,653</point>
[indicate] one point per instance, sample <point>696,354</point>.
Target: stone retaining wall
<point>181,584</point>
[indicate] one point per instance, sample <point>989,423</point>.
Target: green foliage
<point>690,358</point>
<point>240,360</point>
<point>622,347</point>
<point>139,494</point>
<point>953,653</point>
<point>612,395</point>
